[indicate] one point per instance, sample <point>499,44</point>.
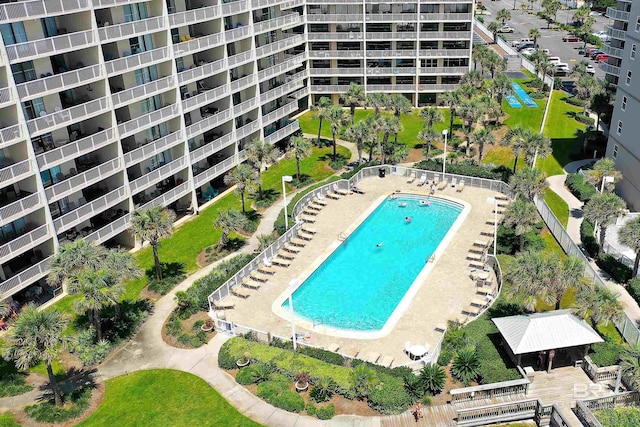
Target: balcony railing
<point>152,148</point>
<point>68,116</point>
<point>436,88</point>
<point>615,33</point>
<point>237,34</point>
<point>242,83</point>
<point>24,243</point>
<point>59,82</point>
<point>240,59</point>
<point>24,278</point>
<point>282,67</point>
<point>446,16</point>
<point>245,106</point>
<point>328,17</point>
<point>391,88</point>
<point>89,210</point>
<point>40,8</point>
<point>259,4</point>
<point>280,113</point>
<point>19,208</point>
<point>108,231</point>
<point>125,30</point>
<point>445,35</point>
<point>329,88</point>
<point>194,16</point>
<point>78,182</point>
<point>15,172</point>
<point>198,73</point>
<point>147,120</point>
<point>100,4</point>
<point>403,53</point>
<point>139,60</point>
<point>346,36</point>
<point>336,71</point>
<point>278,46</point>
<point>318,54</point>
<point>282,133</point>
<point>618,15</point>
<point>209,123</point>
<point>391,71</point>
<point>50,46</point>
<point>610,69</point>
<point>247,129</point>
<point>156,175</point>
<point>613,51</point>
<point>443,70</point>
<point>205,98</point>
<point>215,171</point>
<point>211,148</point>
<point>143,91</point>
<point>76,148</point>
<point>10,135</point>
<point>294,84</point>
<point>5,95</point>
<point>395,35</point>
<point>443,53</point>
<point>199,44</point>
<point>391,17</point>
<point>281,23</point>
<point>235,7</point>
<point>290,4</point>
<point>170,196</point>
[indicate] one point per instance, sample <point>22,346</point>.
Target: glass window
<point>634,48</point>
<point>628,82</point>
<point>619,130</point>
<point>614,154</point>
<point>135,12</point>
<point>33,108</point>
<point>23,72</point>
<point>49,28</point>
<point>623,105</point>
<point>13,33</point>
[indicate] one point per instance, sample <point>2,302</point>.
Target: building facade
<point>624,143</point>
<point>617,32</point>
<point>107,106</point>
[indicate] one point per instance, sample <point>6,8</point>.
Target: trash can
<point>382,172</point>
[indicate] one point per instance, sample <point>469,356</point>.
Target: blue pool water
<point>359,286</point>
<point>523,95</point>
<point>513,101</point>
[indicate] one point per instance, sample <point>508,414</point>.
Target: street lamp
<point>444,155</point>
<point>293,285</point>
<point>285,178</point>
<point>605,180</point>
<point>495,222</point>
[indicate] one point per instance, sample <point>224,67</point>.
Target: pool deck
<point>445,292</point>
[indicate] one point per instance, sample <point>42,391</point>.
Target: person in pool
<point>407,219</point>
<point>379,245</point>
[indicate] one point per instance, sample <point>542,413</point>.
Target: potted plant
<point>208,325</point>
<point>302,381</point>
<point>244,360</point>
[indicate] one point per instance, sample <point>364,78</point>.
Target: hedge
<point>605,353</point>
<point>634,289</point>
<point>588,239</point>
<point>575,101</point>
<point>579,188</point>
<point>589,121</point>
<point>468,168</point>
<point>617,270</point>
<point>279,395</point>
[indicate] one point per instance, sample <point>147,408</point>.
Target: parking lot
<point>522,22</point>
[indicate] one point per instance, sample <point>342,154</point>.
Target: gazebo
<point>544,333</point>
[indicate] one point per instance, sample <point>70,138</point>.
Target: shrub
<point>588,239</point>
<point>352,172</point>
<point>262,372</point>
<point>426,401</point>
<point>246,375</point>
<point>634,288</point>
<point>324,355</point>
<point>468,168</point>
<point>575,101</point>
<point>310,408</point>
<point>413,386</point>
<point>605,353</point>
<point>537,95</point>
<point>13,384</point>
<point>278,343</point>
<point>363,379</point>
<point>579,188</point>
<point>162,287</point>
<point>617,270</point>
<point>326,412</point>
<point>90,352</point>
<point>323,390</point>
<point>278,394</point>
<point>225,359</point>
<point>432,378</point>
<point>47,412</point>
<point>620,416</point>
<point>589,121</point>
<point>391,397</point>
<point>466,365</point>
<point>445,357</point>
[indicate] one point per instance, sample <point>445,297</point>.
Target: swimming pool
<point>360,285</point>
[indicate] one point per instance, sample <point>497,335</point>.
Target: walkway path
<point>350,145</point>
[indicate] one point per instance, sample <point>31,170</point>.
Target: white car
<point>595,14</point>
<point>528,51</point>
<point>590,69</point>
<point>517,42</point>
<point>506,29</point>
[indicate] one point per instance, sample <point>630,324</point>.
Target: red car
<point>602,57</point>
<point>570,38</point>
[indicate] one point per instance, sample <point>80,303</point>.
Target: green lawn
<point>558,206</point>
<point>162,398</point>
<point>503,156</point>
<point>6,420</point>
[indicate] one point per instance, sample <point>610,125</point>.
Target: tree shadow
<point>234,244</point>
<point>122,321</point>
<point>70,381</point>
<point>504,309</point>
<point>302,182</point>
<point>169,269</point>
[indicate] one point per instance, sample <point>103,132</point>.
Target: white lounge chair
<point>259,276</point>
<point>251,284</point>
<point>320,200</point>
<point>266,269</point>
<point>308,218</point>
<point>442,185</point>
<point>460,186</point>
<point>228,302</point>
<point>423,180</point>
<point>333,196</point>
<point>412,177</point>
<point>308,229</point>
<point>306,236</point>
<point>286,255</point>
<point>340,191</point>
<point>241,292</point>
<point>372,357</point>
<point>298,242</point>
<point>282,262</point>
<point>291,248</point>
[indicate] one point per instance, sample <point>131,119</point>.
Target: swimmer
<point>402,204</point>
<point>407,219</point>
<point>424,203</point>
<point>379,245</point>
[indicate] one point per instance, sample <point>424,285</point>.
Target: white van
<point>554,60</point>
<point>517,42</point>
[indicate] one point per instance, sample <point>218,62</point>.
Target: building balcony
<point>19,208</point>
<point>147,120</point>
<point>247,129</point>
<point>209,123</point>
<point>202,71</point>
<point>15,172</point>
<point>237,34</point>
<point>101,4</point>
<point>33,9</point>
<point>391,88</point>
<point>615,33</point>
<point>358,71</point>
<point>139,60</point>
<point>32,237</point>
<point>242,83</point>
<point>279,113</point>
<point>82,180</point>
<point>288,65</point>
<point>279,46</point>
<point>328,17</point>
<point>444,53</point>
<point>50,46</point>
<point>295,84</point>
<point>322,54</point>
<point>159,174</point>
<point>148,149</point>
<point>10,135</point>
<point>24,278</point>
<point>68,116</point>
<point>403,71</point>
<point>276,136</point>
<point>198,44</point>
<point>344,36</point>
<point>89,210</point>
<point>5,96</point>
<point>170,196</point>
<point>443,70</point>
<point>336,2</point>
<point>445,35</point>
<point>215,171</point>
<point>143,91</point>
<point>618,15</point>
<point>437,88</point>
<point>613,51</point>
<point>114,228</point>
<point>280,23</point>
<point>235,7</point>
<point>205,97</point>
<point>211,147</point>
<point>127,30</point>
<point>59,82</point>
<point>71,150</point>
<point>290,4</point>
<point>610,69</point>
<point>240,59</point>
<point>403,53</point>
<point>395,35</point>
<point>443,17</point>
<point>194,16</point>
<point>260,4</point>
<point>391,17</point>
<point>245,107</point>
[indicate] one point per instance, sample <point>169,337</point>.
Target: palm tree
<point>354,97</point>
<point>538,146</point>
<point>466,365</point>
<point>121,264</point>
<point>151,225</point>
<point>566,273</point>
<point>599,303</point>
<point>470,112</point>
<point>551,8</point>
<point>377,101</point>
<point>529,275</point>
<point>478,53</point>
<point>244,177</point>
<point>451,100</point>
<point>228,221</point>
<point>73,257</point>
<point>432,378</point>
<point>629,235</point>
<point>473,78</point>
<point>581,14</point>
<point>630,364</point>
<point>503,16</point>
<point>603,209</point>
<point>500,87</point>
<point>301,149</point>
<point>522,216</point>
<point>494,27</point>
<point>400,105</point>
<point>363,379</point>
<point>482,137</point>
<point>321,111</point>
<point>388,125</point>
<point>38,335</point>
<point>579,69</point>
<point>429,136</point>
<point>495,64</point>
<point>586,87</point>
<point>600,104</point>
<point>337,118</point>
<point>359,133</point>
<point>534,33</point>
<point>529,183</point>
<point>520,140</point>
<point>261,153</point>
<point>431,116</point>
<point>603,168</point>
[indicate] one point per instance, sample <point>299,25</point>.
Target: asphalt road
<point>522,22</point>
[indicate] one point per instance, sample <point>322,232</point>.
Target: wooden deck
<point>434,416</point>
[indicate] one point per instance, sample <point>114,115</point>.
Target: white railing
<point>15,172</point>
<point>19,208</point>
<point>80,181</point>
<point>40,8</point>
<point>444,70</point>
<point>202,126</point>
<point>5,95</point>
<point>205,98</point>
<point>68,116</point>
<point>278,46</point>
<point>147,120</point>
<point>445,35</point>
<point>194,16</point>
<point>296,82</point>
<point>156,175</point>
<point>23,243</point>
<point>152,148</point>
<point>280,112</point>
<point>211,147</point>
<point>613,51</point>
<point>10,135</point>
<point>170,196</point>
<point>58,82</point>
<point>283,67</point>
<point>108,231</point>
<point>235,7</point>
<point>125,30</point>
<point>335,71</point>
<point>24,278</point>
<point>247,129</point>
<point>276,23</point>
<point>391,88</point>
<point>282,133</point>
<point>143,91</point>
<point>404,53</point>
<point>50,46</point>
<point>443,53</point>
<point>329,88</point>
<point>89,210</point>
<point>237,34</point>
<point>610,69</point>
<point>74,149</point>
<point>446,16</point>
<point>259,4</point>
<point>245,106</point>
<point>291,4</point>
<point>345,36</point>
<point>391,70</point>
<point>316,54</point>
<point>489,391</point>
<point>390,17</point>
<point>139,60</point>
<point>242,82</point>
<point>198,44</point>
<point>215,171</point>
<point>618,15</point>
<point>241,58</point>
<point>328,17</point>
<point>99,4</point>
<point>395,35</point>
<point>198,73</point>
<point>615,33</point>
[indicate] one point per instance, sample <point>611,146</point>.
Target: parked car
<point>570,38</point>
<point>506,29</point>
<point>590,69</point>
<point>523,46</point>
<point>528,51</point>
<point>562,69</point>
<point>589,51</point>
<point>603,57</point>
<point>554,60</point>
<point>594,13</point>
<point>595,53</point>
<point>524,40</point>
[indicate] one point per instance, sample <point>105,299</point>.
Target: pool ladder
<point>342,236</point>
<point>318,321</point>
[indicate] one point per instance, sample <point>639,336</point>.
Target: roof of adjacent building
<point>545,331</point>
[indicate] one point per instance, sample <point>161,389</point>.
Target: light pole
<point>605,180</point>
<point>495,222</point>
<point>285,178</point>
<point>293,285</point>
<point>444,155</point>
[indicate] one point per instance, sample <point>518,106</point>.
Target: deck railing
<point>584,408</point>
<point>597,373</point>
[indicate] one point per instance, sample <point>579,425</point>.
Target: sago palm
<point>466,365</point>
<point>630,364</point>
<point>432,377</point>
<point>151,225</point>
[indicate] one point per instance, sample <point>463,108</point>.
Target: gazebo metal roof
<point>545,331</point>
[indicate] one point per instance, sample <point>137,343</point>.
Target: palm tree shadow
<point>70,382</point>
<point>234,244</point>
<point>169,269</point>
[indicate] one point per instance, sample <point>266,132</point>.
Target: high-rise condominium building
<point>616,44</point>
<point>624,134</point>
<point>111,105</point>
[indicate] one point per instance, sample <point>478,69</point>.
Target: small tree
<point>522,216</point>
<point>629,235</point>
<point>603,168</point>
<point>359,133</point>
<point>598,303</point>
<point>529,183</point>
<point>337,118</point>
<point>466,365</point>
<point>259,154</point>
<point>378,101</point>
<point>431,116</point>
<point>321,111</point>
<point>494,27</point>
<point>451,100</point>
<point>151,225</point>
<point>432,377</point>
<point>228,221</point>
<point>429,136</point>
<point>354,97</point>
<point>603,209</point>
<point>503,16</point>
<point>244,178</point>
<point>630,364</point>
<point>482,137</point>
<point>300,149</point>
<point>534,33</point>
